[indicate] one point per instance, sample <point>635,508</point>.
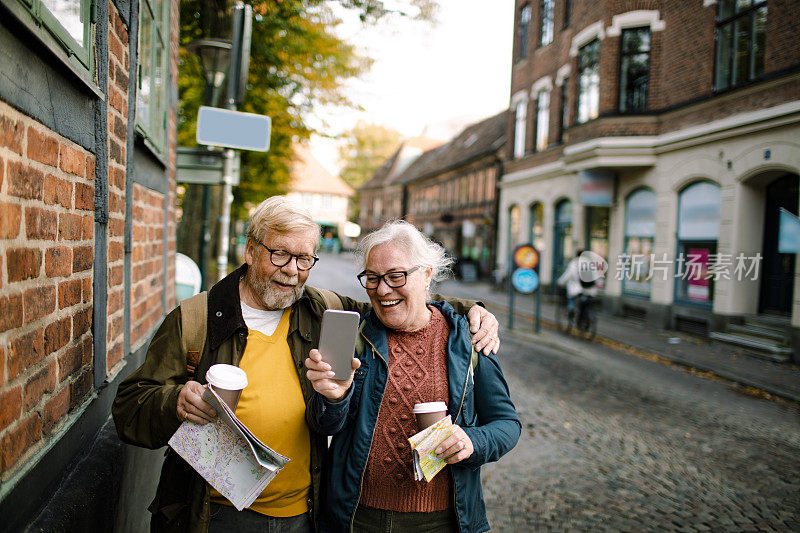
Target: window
<point>567,12</point>
<point>546,34</point>
<point>634,71</point>
<point>562,238</point>
<point>542,119</point>
<point>536,221</point>
<point>564,109</point>
<point>522,31</point>
<point>597,219</point>
<point>377,208</point>
<point>513,227</point>
<point>698,232</point>
<point>588,81</point>
<point>151,97</point>
<point>69,22</point>
<point>520,116</point>
<point>640,232</point>
<point>740,42</point>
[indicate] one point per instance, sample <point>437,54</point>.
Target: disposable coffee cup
<point>227,381</point>
<point>429,413</point>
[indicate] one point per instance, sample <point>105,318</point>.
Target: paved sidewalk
<point>725,361</point>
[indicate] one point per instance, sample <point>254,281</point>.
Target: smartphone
<point>337,342</point>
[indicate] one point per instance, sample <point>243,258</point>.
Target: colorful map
<point>423,444</point>
<point>227,455</point>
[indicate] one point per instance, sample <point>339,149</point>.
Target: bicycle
<point>582,318</point>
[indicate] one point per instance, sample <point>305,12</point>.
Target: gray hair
<point>281,215</point>
<point>420,249</point>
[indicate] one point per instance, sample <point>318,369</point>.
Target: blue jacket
<point>481,405</point>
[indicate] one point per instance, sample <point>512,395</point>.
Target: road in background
<point>612,441</point>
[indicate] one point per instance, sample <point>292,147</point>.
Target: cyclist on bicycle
<point>577,286</point>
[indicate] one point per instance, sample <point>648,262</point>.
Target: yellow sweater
<point>272,407</point>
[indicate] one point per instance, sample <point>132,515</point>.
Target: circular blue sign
<point>525,280</point>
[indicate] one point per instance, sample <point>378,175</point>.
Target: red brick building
<point>381,196</point>
<point>87,244</point>
<point>450,193</point>
<point>656,133</point>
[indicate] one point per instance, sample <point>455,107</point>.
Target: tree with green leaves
<point>297,63</point>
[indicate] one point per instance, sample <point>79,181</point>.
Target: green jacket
<point>145,408</point>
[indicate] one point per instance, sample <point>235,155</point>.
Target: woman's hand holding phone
<point>320,375</point>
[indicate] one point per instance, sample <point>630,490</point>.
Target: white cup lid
<point>226,377</point>
<point>429,407</point>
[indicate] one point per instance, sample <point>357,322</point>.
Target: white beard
<point>270,297</point>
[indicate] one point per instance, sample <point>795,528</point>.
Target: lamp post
<point>214,55</point>
<point>236,55</point>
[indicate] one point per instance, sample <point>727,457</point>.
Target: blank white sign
<point>233,129</point>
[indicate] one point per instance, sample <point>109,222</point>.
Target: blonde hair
<point>281,215</point>
<point>420,249</point>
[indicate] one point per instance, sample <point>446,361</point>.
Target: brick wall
<point>46,238</point>
<point>147,277</point>
<point>118,70</point>
<point>681,65</point>
<point>172,141</point>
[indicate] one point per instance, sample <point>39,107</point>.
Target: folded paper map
<point>424,443</point>
<point>227,455</point>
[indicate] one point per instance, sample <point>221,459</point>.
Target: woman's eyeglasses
<point>394,279</point>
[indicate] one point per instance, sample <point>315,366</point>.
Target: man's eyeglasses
<point>281,258</point>
<point>395,279</point>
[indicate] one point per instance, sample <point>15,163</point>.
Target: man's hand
<point>192,407</point>
<point>456,447</point>
<point>321,377</point>
<point>484,328</point>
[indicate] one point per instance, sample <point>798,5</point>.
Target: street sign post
<point>523,269</point>
<point>204,167</point>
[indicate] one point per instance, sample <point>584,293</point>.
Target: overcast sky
<point>426,79</point>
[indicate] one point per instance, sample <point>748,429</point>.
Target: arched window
<point>562,237</point>
<point>698,232</point>
<point>536,230</point>
<point>640,232</point>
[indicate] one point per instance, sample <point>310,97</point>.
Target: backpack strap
<point>194,323</point>
<point>332,300</point>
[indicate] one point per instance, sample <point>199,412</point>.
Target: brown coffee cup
<point>227,381</point>
<point>429,413</point>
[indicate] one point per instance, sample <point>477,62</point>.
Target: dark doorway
<point>777,274</point>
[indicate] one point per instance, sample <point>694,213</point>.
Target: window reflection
<point>68,14</point>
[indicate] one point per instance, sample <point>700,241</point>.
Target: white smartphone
<point>337,342</point>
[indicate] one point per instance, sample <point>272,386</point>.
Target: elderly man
<point>263,319</point>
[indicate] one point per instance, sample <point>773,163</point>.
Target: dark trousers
<point>226,519</point>
<point>368,519</point>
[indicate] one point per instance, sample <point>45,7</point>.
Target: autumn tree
<point>297,62</point>
<point>364,148</point>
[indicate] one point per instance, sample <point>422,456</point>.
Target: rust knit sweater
<point>417,373</point>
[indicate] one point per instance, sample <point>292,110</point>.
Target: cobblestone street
<point>613,442</point>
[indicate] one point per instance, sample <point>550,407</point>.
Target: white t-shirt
<point>260,320</point>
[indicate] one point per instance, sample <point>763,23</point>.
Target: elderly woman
<point>413,351</point>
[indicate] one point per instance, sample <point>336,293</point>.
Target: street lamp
<point>214,55</point>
